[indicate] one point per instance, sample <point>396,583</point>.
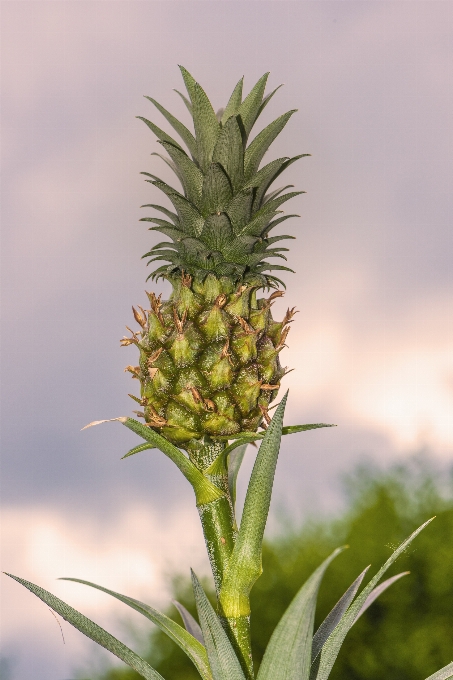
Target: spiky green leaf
<point>185,100</point>
<point>288,429</point>
<point>245,562</point>
<point>277,192</point>
<point>259,224</point>
<point>173,233</point>
<point>217,191</point>
<point>378,591</point>
<point>331,648</point>
<point>138,449</point>
<point>189,217</point>
<point>92,630</point>
<point>276,222</point>
<point>189,622</point>
<point>187,642</point>
<point>205,121</point>
<point>217,231</point>
<point>234,102</point>
<point>229,152</point>
<point>180,128</point>
<point>174,218</point>
<point>191,176</point>
<point>205,491</point>
<point>256,150</point>
<point>248,110</point>
<point>239,209</point>
<point>238,248</point>
<point>266,100</point>
<point>288,654</point>
<point>236,456</point>
<point>222,658</point>
<point>160,134</point>
<point>334,616</point>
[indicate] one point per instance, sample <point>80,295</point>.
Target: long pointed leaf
<point>222,658</point>
<point>191,625</point>
<point>174,218</point>
<point>205,121</point>
<point>333,644</point>
<point>190,218</point>
<point>229,152</point>
<point>245,562</point>
<point>256,150</point>
<point>266,100</point>
<point>334,616</point>
<point>444,674</point>
<point>288,429</point>
<point>205,491</point>
<point>138,449</point>
<point>378,591</point>
<point>191,646</point>
<point>180,128</point>
<point>288,654</point>
<point>92,630</point>
<point>244,438</point>
<point>191,176</point>
<point>234,464</point>
<point>248,110</point>
<point>217,190</point>
<point>160,134</point>
<point>185,100</point>
<point>234,102</point>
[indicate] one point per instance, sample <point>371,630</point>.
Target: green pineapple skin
<point>209,364</point>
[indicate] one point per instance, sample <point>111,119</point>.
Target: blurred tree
<point>408,632</point>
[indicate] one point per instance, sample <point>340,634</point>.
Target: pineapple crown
<point>225,214</point>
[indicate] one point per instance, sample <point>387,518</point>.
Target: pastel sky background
<point>372,344</point>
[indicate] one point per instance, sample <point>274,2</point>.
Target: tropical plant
<point>406,634</point>
<point>208,370</point>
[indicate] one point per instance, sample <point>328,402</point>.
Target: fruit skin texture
<point>209,356</point>
<point>209,361</point>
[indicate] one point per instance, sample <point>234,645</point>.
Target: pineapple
<point>209,369</point>
<point>209,356</point>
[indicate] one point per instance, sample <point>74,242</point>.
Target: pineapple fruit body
<point>209,361</point>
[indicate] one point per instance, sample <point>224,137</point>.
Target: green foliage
<point>92,630</point>
<point>245,562</point>
<point>288,654</point>
<point>407,633</point>
<point>222,658</point>
<point>192,647</point>
<point>221,178</point>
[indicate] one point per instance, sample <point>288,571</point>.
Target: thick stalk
<point>217,522</point>
<point>219,529</point>
<point>238,631</point>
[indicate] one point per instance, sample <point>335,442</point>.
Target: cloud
<point>397,381</point>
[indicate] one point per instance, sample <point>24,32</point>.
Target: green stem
<point>219,529</point>
<point>238,631</point>
<point>217,522</point>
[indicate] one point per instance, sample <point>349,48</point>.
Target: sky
<point>372,343</point>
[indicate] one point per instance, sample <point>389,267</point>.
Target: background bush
<point>408,632</point>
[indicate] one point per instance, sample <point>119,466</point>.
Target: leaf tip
<point>121,419</point>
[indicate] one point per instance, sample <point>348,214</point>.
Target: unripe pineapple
<point>209,356</point>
